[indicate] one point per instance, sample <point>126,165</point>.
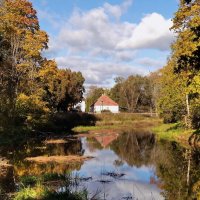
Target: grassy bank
<point>173,132</point>
<point>119,121</point>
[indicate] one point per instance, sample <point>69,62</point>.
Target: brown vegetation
<point>58,159</point>
<point>56,141</point>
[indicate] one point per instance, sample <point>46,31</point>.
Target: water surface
<point>129,164</point>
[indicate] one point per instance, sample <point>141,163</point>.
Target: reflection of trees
<point>176,167</point>
<point>73,147</point>
<point>35,169</point>
<point>93,144</point>
<point>134,147</point>
<point>173,166</point>
<point>7,181</point>
<point>30,149</point>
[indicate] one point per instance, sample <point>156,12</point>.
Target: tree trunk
<point>188,123</point>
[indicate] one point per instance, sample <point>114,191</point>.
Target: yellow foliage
<point>31,104</point>
<point>196,189</point>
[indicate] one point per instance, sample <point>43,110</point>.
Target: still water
<point>129,164</point>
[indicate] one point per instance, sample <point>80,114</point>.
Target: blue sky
<point>106,39</point>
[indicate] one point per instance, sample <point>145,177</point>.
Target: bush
<point>106,111</point>
<point>59,122</point>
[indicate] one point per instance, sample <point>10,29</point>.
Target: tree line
<point>134,94</point>
<point>172,92</point>
<point>30,84</point>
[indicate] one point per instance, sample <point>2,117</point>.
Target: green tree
<point>186,53</point>
<point>171,103</point>
<point>93,94</point>
<point>70,89</point>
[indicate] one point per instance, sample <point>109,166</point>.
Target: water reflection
<point>151,169</point>
<point>135,147</point>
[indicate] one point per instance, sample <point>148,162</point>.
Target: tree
<point>154,89</point>
<point>186,52</point>
<point>69,90</point>
<point>93,94</point>
<point>115,92</point>
<point>22,42</point>
<point>171,102</point>
<point>31,86</point>
<point>133,92</point>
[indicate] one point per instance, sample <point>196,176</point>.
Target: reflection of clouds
<point>135,182</point>
<point>123,188</point>
<point>138,190</point>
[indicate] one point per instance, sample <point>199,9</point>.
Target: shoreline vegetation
<point>83,123</point>
<point>172,131</point>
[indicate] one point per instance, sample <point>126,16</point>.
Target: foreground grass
<point>42,193</point>
<point>33,188</point>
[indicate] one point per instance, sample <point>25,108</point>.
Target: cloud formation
<point>152,32</point>
<point>100,45</point>
<point>99,72</point>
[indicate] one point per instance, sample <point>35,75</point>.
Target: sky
<point>106,39</point>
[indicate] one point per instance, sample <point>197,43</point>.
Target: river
<point>129,164</point>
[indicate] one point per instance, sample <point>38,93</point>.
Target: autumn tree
<point>171,101</point>
<point>22,42</point>
<point>31,86</point>
<point>186,52</point>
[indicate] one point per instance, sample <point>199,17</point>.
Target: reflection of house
<point>106,140</point>
<point>104,103</point>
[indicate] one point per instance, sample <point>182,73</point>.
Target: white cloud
<point>98,72</point>
<point>100,45</point>
<point>152,32</point>
<point>149,62</point>
<point>115,11</point>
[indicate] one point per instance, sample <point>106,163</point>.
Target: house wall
<point>82,106</point>
<point>113,109</point>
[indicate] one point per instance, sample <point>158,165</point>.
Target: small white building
<point>104,103</point>
<point>81,106</point>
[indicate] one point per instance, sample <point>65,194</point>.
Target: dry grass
<point>56,141</point>
<point>58,159</point>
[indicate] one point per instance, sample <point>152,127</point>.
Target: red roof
<point>106,140</point>
<point>105,101</point>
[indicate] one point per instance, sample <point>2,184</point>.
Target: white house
<point>104,103</point>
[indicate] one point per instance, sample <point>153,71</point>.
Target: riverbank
<point>119,121</point>
<point>175,132</point>
<point>82,123</point>
<point>171,132</point>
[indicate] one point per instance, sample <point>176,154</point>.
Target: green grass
<point>172,132</point>
<point>43,193</point>
<point>32,188</point>
<point>117,121</point>
<point>85,129</point>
